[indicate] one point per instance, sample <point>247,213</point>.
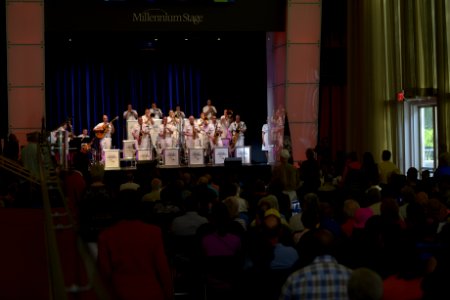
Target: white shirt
<point>209,111</point>
<point>130,115</point>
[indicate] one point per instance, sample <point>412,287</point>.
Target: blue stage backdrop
<point>91,74</point>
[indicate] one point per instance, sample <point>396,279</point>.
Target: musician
<point>84,134</point>
<point>156,111</point>
<point>103,132</point>
<point>147,117</point>
<point>172,119</point>
<point>209,110</point>
<point>85,141</point>
<point>265,132</point>
<point>214,132</point>
<point>202,123</point>
<point>191,133</point>
<point>141,135</point>
<point>178,113</point>
<point>130,113</point>
<point>165,135</point>
<point>225,121</point>
<point>237,129</point>
<point>64,127</point>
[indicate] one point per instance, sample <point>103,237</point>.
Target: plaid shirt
<point>324,278</point>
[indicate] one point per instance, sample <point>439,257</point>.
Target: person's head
<point>12,137</point>
<point>164,120</point>
<point>350,207</point>
<point>147,112</point>
<point>285,155</point>
<point>129,177</point>
<point>272,218</point>
<point>191,120</point>
<point>105,118</point>
<point>386,155</point>
<point>368,159</point>
<point>309,154</point>
<point>319,242</point>
<point>365,284</point>
<point>154,105</point>
<point>171,113</point>
<point>208,102</point>
<point>214,119</point>
<point>238,118</point>
<point>85,131</point>
<point>178,108</point>
<point>412,174</point>
<point>129,107</point>
<point>140,120</point>
<point>156,184</point>
<point>232,204</point>
<point>202,115</point>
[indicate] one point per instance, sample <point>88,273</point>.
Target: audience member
<point>129,184</point>
<point>386,168</point>
<point>131,255</point>
<point>155,194</point>
<point>323,276</point>
<point>365,284</point>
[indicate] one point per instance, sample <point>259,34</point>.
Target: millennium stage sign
<point>161,16</point>
<point>246,15</point>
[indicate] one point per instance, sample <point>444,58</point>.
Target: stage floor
<point>144,172</point>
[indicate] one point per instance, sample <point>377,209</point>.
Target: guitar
<point>100,133</point>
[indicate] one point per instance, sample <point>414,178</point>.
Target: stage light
<point>218,39</point>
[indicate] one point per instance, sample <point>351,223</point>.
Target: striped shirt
<point>324,278</point>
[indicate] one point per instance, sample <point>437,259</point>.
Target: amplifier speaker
<point>232,162</point>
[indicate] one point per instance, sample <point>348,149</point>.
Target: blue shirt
<point>324,279</point>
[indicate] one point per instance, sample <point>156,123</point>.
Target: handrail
<point>49,177</point>
<point>56,278</point>
<point>16,168</point>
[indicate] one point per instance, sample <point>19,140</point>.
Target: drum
<point>85,148</point>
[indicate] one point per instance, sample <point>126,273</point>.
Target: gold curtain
<point>394,45</point>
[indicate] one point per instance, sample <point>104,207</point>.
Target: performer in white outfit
<point>156,111</point>
<point>103,132</point>
<point>173,120</point>
<point>225,121</point>
<point>130,113</point>
<point>265,133</point>
<point>214,132</point>
<point>191,133</point>
<point>202,123</point>
<point>165,135</point>
<point>209,110</point>
<point>179,113</point>
<point>147,119</point>
<point>141,135</point>
<point>237,129</point>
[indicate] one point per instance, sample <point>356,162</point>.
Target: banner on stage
<point>144,155</point>
<point>196,156</point>
<point>220,153</point>
<point>130,125</point>
<point>171,157</point>
<point>244,153</point>
<point>128,149</point>
<point>112,159</point>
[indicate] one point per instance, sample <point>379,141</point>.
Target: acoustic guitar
<point>100,133</point>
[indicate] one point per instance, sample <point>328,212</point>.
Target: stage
<point>145,171</point>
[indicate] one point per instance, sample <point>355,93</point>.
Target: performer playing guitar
<point>103,133</point>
